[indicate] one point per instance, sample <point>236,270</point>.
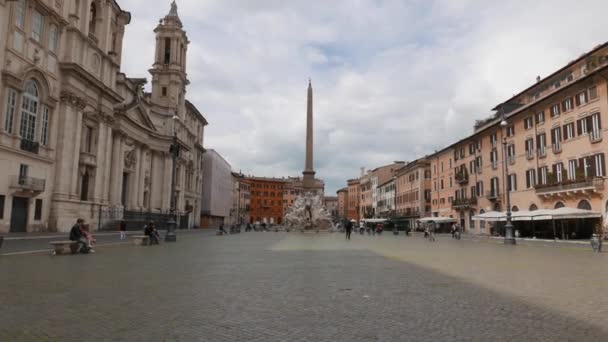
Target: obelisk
<point>309,173</point>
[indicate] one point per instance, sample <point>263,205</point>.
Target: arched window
<point>584,204</point>
<point>92,18</point>
<point>559,205</point>
<point>29,111</point>
<point>533,207</point>
<point>167,50</point>
<point>515,208</point>
<point>482,223</point>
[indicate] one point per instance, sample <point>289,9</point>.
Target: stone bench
<point>64,247</point>
<point>141,240</point>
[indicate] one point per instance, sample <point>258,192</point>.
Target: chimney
<point>537,79</point>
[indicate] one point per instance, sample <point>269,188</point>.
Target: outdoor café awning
<point>374,220</point>
<point>440,219</point>
<point>538,215</point>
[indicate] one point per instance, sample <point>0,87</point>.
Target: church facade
<point>80,139</point>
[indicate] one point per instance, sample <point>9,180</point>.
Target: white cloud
<point>393,80</point>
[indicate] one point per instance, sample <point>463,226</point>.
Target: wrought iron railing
<point>594,183</point>
<point>30,146</point>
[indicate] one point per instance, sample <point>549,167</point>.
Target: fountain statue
<point>308,213</point>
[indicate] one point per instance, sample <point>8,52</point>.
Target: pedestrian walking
<point>348,226</point>
<point>122,227</point>
<point>432,232</point>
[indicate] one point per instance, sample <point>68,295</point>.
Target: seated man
<point>152,233</point>
<point>77,235</point>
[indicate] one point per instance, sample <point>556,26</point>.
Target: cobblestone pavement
<point>305,287</point>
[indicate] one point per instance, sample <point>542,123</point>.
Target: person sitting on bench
<point>77,236</point>
<point>152,233</point>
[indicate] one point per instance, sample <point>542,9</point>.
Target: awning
<point>440,219</point>
<point>538,215</point>
<point>374,220</point>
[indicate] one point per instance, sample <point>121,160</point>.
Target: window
<point>530,178</point>
<point>44,133</point>
<point>581,98</point>
<point>541,144</point>
<point>482,224</point>
<point>592,93</point>
<point>530,148</point>
<point>37,24</point>
<point>569,131</point>
<point>600,165</point>
<point>595,126</point>
<point>11,103</point>
<point>493,140</point>
<point>555,110</point>
<point>441,166</point>
<point>542,175</point>
<point>511,152</point>
<point>494,158</point>
<point>472,167</point>
<point>442,187</point>
<point>88,139</point>
<point>164,91</point>
<point>494,187</point>
<point>451,184</point>
<point>581,126</point>
<point>38,210</point>
<point>540,117</point>
<point>29,110</point>
<point>512,182</point>
<point>23,171</point>
<point>478,164</point>
<point>556,138</point>
<point>435,186</point>
<point>558,172</point>
<point>167,50</point>
<point>572,166</point>
<point>510,131</point>
<point>528,122</point>
<point>471,149</point>
<point>567,105</point>
<point>53,38</point>
<point>92,18</point>
<point>20,13</point>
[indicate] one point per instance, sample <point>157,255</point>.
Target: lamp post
<point>509,238</point>
<point>395,230</point>
<point>174,151</point>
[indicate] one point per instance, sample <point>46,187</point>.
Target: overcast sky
<point>393,80</point>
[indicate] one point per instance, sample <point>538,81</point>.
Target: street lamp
<point>509,238</point>
<point>174,151</point>
<point>395,230</point>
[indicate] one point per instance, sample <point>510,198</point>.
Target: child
<point>87,235</point>
<point>122,226</point>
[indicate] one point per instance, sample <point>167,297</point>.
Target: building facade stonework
<point>80,139</point>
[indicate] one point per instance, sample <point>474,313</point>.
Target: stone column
<point>142,176</point>
<point>117,168</point>
<point>100,162</point>
<point>166,185</point>
<point>135,176</point>
<point>107,169</point>
<point>68,146</point>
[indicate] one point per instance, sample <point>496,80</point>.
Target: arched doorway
<point>482,223</point>
<point>559,205</point>
<point>515,208</point>
<point>497,207</point>
<point>533,207</point>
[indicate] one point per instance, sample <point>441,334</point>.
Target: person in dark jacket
<point>348,226</point>
<point>150,230</point>
<point>76,235</point>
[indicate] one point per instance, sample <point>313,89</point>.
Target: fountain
<point>308,214</point>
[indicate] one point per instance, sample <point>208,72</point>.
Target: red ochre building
<point>266,199</point>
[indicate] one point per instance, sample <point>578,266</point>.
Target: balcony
<point>557,148</point>
<point>511,160</point>
<point>28,184</point>
<point>570,187</point>
<point>88,159</point>
<point>595,136</point>
<point>30,146</point>
<point>494,165</point>
<point>464,203</point>
<point>493,195</point>
<point>462,177</point>
<point>542,152</point>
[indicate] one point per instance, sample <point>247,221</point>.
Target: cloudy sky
<point>393,80</point>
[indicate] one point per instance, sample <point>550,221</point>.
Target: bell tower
<point>169,78</point>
